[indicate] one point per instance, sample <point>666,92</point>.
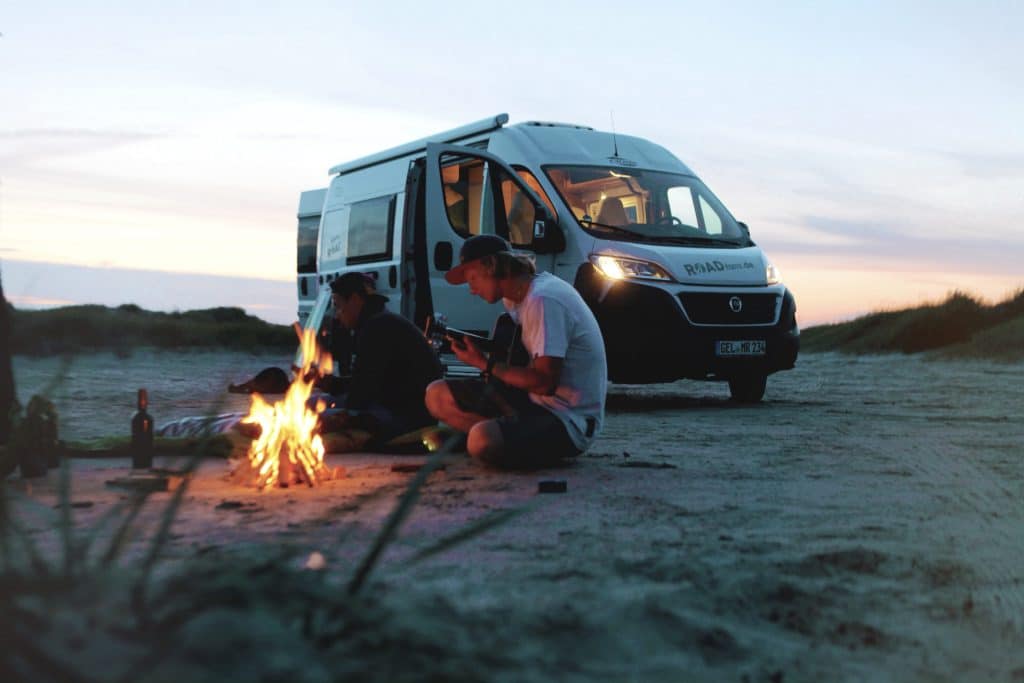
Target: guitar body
<point>507,342</point>
<point>505,345</point>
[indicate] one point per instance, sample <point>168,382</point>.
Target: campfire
<point>288,449</point>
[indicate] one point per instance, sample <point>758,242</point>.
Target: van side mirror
<point>744,228</point>
<point>547,236</point>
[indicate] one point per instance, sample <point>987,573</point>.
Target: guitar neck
<point>505,344</point>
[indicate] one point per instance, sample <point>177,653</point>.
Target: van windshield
<point>645,206</point>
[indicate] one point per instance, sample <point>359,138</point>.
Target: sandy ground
<point>865,522</point>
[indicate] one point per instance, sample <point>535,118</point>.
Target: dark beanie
<point>353,283</point>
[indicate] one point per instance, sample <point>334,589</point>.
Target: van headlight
<point>618,268</point>
<point>772,274</point>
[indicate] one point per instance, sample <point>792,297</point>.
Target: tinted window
<point>482,198</point>
<point>369,230</point>
<point>308,229</point>
<point>463,181</point>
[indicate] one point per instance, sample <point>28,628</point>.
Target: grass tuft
<point>225,615</point>
<point>89,328</point>
<point>961,326</point>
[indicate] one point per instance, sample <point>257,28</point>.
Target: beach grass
<point>87,610</point>
<point>961,326</point>
<point>88,328</point>
<point>1004,341</point>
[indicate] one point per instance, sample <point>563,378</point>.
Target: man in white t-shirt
<point>522,416</point>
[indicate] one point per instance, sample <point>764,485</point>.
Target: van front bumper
<point>648,337</point>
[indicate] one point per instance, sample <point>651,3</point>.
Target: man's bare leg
<point>485,441</point>
<point>442,405</point>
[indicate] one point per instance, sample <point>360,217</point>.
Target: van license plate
<point>740,348</point>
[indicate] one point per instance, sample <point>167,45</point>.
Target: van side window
<point>519,213</point>
<point>309,227</point>
<point>534,184</point>
<point>463,180</point>
<point>370,227</point>
<point>481,198</point>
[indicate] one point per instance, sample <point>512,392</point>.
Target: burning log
<point>288,450</point>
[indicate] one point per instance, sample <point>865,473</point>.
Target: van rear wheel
<point>748,389</point>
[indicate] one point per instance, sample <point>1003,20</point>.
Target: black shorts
<point>533,435</point>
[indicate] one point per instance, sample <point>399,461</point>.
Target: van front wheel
<point>748,389</point>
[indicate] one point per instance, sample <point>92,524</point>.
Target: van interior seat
<point>612,213</point>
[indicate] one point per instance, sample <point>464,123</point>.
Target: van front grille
<point>715,308</point>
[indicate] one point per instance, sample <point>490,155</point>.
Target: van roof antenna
<point>615,139</point>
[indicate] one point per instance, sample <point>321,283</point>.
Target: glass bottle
<point>142,434</point>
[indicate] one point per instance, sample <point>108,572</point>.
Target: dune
<point>89,328</point>
<point>962,326</point>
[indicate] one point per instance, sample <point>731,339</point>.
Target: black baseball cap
<point>474,249</point>
<point>353,283</point>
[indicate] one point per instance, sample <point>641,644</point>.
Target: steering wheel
<point>671,220</point>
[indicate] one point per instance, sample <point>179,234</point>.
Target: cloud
<point>897,244</point>
<point>38,284</point>
<point>73,134</point>
<point>28,146</point>
<point>988,166</point>
<point>856,231</point>
<point>28,301</point>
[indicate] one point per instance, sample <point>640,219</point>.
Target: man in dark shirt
<point>392,366</point>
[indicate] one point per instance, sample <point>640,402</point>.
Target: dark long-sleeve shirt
<point>393,364</point>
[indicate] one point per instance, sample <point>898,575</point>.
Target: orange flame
<point>288,449</point>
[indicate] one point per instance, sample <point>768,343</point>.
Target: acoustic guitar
<point>505,345</point>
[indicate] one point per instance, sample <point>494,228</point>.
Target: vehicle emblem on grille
<point>736,304</point>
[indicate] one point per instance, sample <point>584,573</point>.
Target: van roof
<point>546,142</point>
<point>584,146</point>
<point>311,202</point>
<point>448,136</point>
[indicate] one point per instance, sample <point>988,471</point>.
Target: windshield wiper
<point>686,239</point>
<point>669,239</point>
<point>618,228</point>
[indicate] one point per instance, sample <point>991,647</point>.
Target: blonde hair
<point>504,264</point>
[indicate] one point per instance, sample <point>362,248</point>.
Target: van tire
<point>748,388</point>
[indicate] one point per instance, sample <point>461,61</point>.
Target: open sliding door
<point>471,192</point>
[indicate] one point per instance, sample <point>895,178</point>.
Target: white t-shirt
<point>556,322</point>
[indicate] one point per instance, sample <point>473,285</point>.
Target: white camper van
<point>677,285</point>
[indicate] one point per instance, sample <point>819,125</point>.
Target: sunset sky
<point>876,149</point>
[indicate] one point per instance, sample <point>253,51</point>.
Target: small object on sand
<point>267,381</point>
<point>147,481</point>
<point>643,464</point>
<point>78,504</point>
<point>315,562</point>
<point>230,505</point>
<point>411,467</point>
<point>552,486</point>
